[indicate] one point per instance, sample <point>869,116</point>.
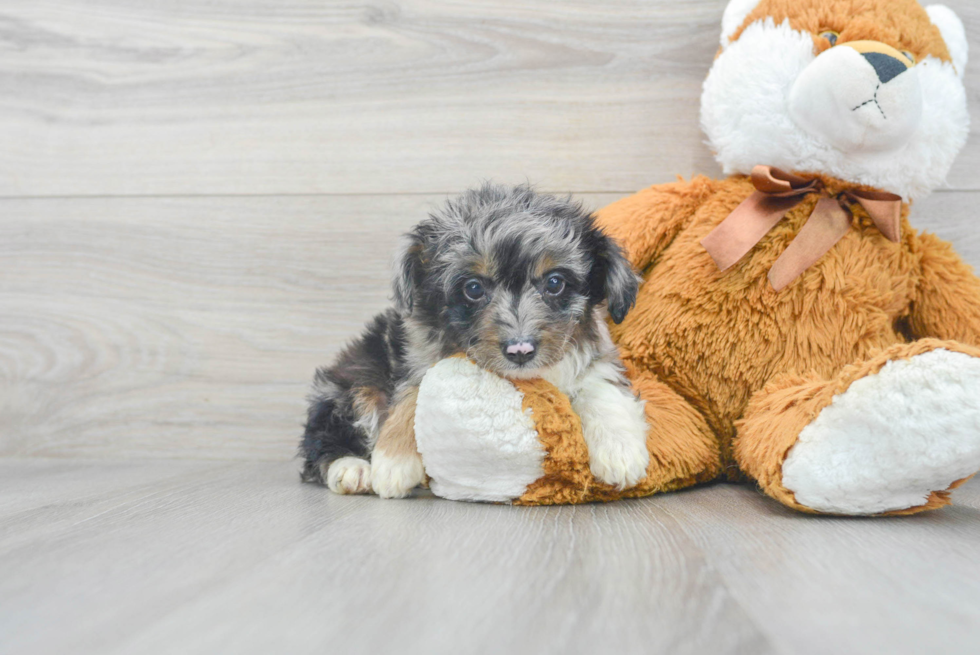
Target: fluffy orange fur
<point>757,364</point>
<point>902,24</point>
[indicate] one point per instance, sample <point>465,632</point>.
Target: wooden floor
<point>155,556</point>
<point>198,205</point>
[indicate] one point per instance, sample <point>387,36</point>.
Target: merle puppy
<point>519,281</point>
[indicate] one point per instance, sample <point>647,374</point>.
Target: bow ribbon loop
<point>884,208</point>
<point>777,182</point>
<point>777,192</point>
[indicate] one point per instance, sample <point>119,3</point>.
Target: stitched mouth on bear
<point>874,99</point>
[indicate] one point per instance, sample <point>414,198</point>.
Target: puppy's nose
<point>519,351</point>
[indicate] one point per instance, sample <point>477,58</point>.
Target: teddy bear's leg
<point>890,435</point>
<point>683,449</point>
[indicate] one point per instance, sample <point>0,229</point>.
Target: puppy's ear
<point>612,278</point>
<point>409,265</point>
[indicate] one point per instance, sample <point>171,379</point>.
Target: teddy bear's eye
<point>909,56</point>
<point>831,36</point>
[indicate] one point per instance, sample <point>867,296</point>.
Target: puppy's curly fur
<point>521,282</point>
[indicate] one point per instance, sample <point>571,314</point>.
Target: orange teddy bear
<point>792,327</point>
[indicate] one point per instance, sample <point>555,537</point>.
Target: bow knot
<point>777,192</point>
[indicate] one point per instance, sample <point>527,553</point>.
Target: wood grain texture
<point>136,330</point>
<point>190,327</point>
<point>195,557</point>
<point>844,585</point>
<point>120,97</point>
<point>182,327</point>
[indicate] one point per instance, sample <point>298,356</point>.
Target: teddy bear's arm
<point>947,302</point>
<point>646,222</point>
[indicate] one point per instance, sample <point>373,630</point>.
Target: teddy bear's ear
<point>735,14</point>
<point>954,35</point>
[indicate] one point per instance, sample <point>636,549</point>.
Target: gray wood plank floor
<point>198,205</point>
<point>238,557</point>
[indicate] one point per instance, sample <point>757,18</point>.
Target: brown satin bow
<point>777,192</point>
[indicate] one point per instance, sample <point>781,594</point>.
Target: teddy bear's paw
<point>891,439</point>
<point>617,459</point>
<point>478,442</point>
<point>348,475</point>
<point>394,476</point>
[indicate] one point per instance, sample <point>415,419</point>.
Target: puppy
<point>519,281</point>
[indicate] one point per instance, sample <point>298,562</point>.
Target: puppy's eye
<point>554,285</point>
<point>909,56</point>
<point>473,290</point>
<point>831,36</point>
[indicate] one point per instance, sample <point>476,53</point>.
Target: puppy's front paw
<point>618,460</point>
<point>394,476</point>
<point>349,475</point>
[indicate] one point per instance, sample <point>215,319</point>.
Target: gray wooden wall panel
<point>190,327</point>
<point>119,97</point>
<point>198,200</point>
<point>182,326</point>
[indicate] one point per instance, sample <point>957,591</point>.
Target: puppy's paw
<point>349,475</point>
<point>619,460</point>
<point>394,476</point>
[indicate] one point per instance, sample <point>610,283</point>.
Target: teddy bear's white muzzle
<point>858,102</point>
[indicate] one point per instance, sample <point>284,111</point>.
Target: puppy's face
<point>511,278</point>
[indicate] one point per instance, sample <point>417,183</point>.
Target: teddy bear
<point>792,328</point>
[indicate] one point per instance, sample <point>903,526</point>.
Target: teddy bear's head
<point>869,91</point>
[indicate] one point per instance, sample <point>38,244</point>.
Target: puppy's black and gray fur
<point>518,280</point>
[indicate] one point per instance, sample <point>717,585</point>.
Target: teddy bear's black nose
<point>886,66</point>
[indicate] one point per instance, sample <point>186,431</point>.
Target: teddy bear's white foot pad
<point>476,441</point>
<point>892,438</point>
